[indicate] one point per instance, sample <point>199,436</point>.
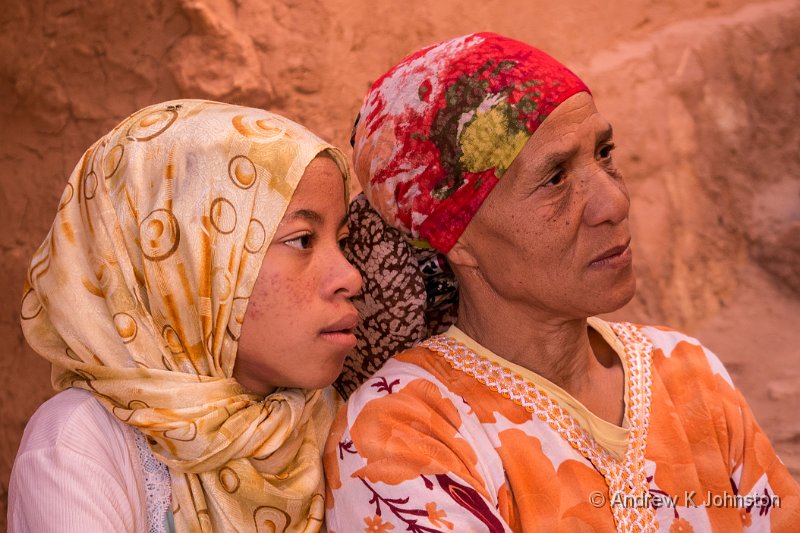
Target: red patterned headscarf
<point>438,131</point>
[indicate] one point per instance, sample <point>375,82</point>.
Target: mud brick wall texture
<point>704,97</point>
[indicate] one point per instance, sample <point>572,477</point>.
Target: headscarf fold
<point>139,291</point>
<point>439,129</point>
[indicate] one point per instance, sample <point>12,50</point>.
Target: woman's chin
<point>620,297</point>
<point>613,299</point>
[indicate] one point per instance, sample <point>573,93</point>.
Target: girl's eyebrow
<point>313,217</point>
<point>306,214</point>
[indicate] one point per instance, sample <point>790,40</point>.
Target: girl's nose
<point>346,278</point>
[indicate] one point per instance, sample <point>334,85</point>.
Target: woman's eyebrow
<point>555,158</point>
<point>606,133</point>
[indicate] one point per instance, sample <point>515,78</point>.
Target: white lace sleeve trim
<point>157,487</point>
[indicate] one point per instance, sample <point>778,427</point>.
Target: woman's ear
<point>460,255</point>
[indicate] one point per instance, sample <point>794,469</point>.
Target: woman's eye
<point>556,179</point>
<point>605,151</point>
<point>343,242</point>
<point>303,242</point>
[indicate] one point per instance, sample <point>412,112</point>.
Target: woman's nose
<point>608,200</point>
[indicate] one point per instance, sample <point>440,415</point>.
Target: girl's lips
<point>347,322</point>
<point>617,257</point>
<point>344,338</point>
<point>341,331</point>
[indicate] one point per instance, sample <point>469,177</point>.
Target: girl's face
<point>299,322</point>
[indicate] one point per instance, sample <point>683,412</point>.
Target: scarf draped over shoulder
<point>138,294</point>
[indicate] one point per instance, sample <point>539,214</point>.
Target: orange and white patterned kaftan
<point>444,439</point>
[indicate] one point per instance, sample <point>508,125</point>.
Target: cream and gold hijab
<point>138,294</point>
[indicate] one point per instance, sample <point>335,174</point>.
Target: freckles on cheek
<point>549,239</point>
<point>255,308</point>
<point>263,298</point>
<point>286,292</point>
<point>300,293</point>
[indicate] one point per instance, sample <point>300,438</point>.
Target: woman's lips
<point>617,257</point>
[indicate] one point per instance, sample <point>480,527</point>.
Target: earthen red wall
<point>704,97</point>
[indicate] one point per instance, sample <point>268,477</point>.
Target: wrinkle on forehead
<point>561,136</point>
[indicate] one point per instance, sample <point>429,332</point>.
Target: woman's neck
<point>556,349</point>
<point>560,349</point>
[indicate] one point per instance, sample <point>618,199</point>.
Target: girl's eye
<point>303,242</point>
<point>605,151</point>
<point>557,178</point>
<point>343,242</point>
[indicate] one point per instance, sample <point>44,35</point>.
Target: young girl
<point>195,305</point>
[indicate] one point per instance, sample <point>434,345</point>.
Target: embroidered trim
<point>157,486</point>
<point>626,478</point>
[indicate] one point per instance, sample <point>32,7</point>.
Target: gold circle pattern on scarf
<point>139,291</point>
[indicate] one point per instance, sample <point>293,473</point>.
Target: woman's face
<point>299,322</point>
<point>553,234</point>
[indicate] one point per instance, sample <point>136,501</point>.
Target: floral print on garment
<point>442,439</point>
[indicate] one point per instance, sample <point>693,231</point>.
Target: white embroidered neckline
<point>626,478</point>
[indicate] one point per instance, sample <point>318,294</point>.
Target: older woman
<point>194,302</point>
<point>530,414</point>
